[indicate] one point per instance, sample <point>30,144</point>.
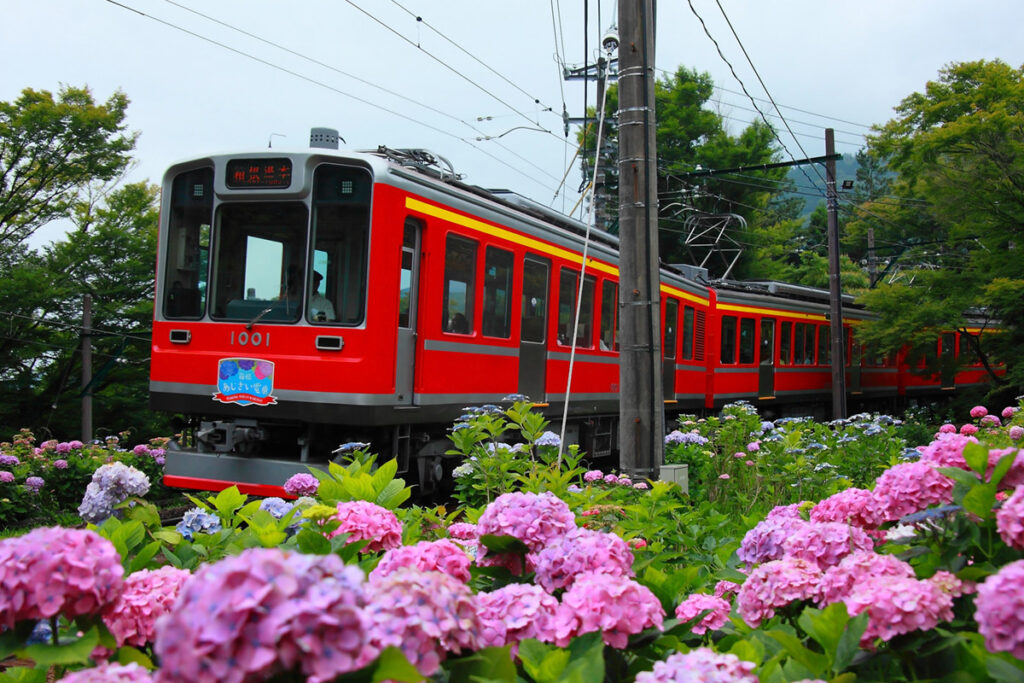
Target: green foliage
<point>362,479</point>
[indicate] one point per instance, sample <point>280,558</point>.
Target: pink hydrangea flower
<point>514,613</point>
<point>580,551</point>
<point>897,605</point>
<point>251,615</point>
<point>641,486</point>
<point>1010,520</point>
<point>839,580</point>
<point>463,531</point>
<point>754,446</point>
<point>947,450</point>
<point>695,603</point>
<point>301,484</point>
<point>6,477</point>
<point>536,519</point>
<point>53,570</point>
<point>702,665</point>
<point>610,479</point>
<point>593,475</point>
<point>979,411</point>
<point>947,429</point>
<point>850,506</point>
<point>616,606</point>
<point>110,673</point>
<point>726,588</point>
<point>999,610</point>
<point>948,582</point>
<point>425,614</point>
<point>724,475</point>
<point>967,429</point>
<point>1009,412</point>
<point>826,542</point>
<point>60,464</point>
<point>911,487</point>
<point>442,556</point>
<point>147,595</point>
<point>991,421</point>
<point>1016,432</point>
<point>774,585</point>
<point>365,521</point>
<point>764,542</point>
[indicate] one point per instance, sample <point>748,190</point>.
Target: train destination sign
<point>259,173</point>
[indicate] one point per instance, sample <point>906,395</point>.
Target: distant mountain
<point>810,181</point>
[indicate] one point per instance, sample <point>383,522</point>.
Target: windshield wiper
<point>258,317</point>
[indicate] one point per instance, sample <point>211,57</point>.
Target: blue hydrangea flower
<point>516,398</point>
<point>351,446</point>
<point>549,439</point>
<point>277,507</point>
<point>198,521</point>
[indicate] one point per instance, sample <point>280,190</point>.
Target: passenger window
<point>459,272</point>
<point>824,345</point>
<point>535,301</point>
<point>728,339</point>
<point>671,320</point>
<point>785,339</point>
<point>188,244</point>
<point>747,340</point>
<point>497,315</point>
<point>609,323</point>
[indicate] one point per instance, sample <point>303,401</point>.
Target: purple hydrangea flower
<point>60,464</point>
<point>34,484</point>
<point>301,484</point>
<point>6,477</point>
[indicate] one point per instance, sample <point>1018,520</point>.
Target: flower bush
<point>903,567</point>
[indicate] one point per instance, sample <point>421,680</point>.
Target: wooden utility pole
<point>87,368</point>
<point>834,285</point>
<point>641,404</point>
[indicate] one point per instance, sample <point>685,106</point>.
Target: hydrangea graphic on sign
<point>245,381</point>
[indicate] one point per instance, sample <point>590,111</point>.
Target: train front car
<point>263,339</point>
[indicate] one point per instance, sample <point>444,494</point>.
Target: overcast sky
<point>246,73</point>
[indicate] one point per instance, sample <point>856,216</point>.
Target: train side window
<point>810,331</point>
<point>497,315</point>
<point>687,333</point>
<point>188,244</point>
<point>728,339</point>
<point>747,340</point>
<point>459,272</point>
<point>824,345</point>
<point>968,350</point>
<point>671,321</point>
<point>535,301</point>
<point>609,323</point>
<point>568,283</point>
<point>698,335</point>
<point>785,342</point>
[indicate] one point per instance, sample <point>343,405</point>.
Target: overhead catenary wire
<point>344,93</point>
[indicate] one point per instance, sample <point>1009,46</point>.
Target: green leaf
<point>825,626</point>
<point>976,456</point>
<point>128,654</point>
<point>849,643</point>
<point>143,557</point>
<point>489,664</point>
<point>384,474</point>
<point>815,662</point>
<point>127,536</point>
<point>980,500</point>
<point>543,663</point>
<point>168,536</point>
<point>312,543</point>
<point>227,501</point>
<point>503,544</point>
<point>20,674</point>
<point>1002,669</point>
<point>75,652</point>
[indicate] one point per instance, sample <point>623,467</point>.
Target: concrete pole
<point>834,286</point>
<point>641,404</point>
<point>86,368</point>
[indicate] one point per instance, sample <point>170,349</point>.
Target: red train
<point>305,299</point>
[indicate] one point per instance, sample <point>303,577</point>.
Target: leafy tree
<point>692,136</point>
<point>958,152</point>
<point>109,255</point>
<point>50,149</point>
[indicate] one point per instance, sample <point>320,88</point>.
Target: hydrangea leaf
<point>75,652</point>
<point>503,544</point>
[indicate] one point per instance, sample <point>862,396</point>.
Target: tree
<point>692,136</point>
<point>110,255</point>
<point>50,149</point>
<point>957,150</point>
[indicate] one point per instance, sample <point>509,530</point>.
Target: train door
<point>854,360</point>
<point>766,360</point>
<point>533,354</point>
<point>668,363</point>
<point>405,353</point>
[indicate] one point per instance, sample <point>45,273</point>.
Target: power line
<point>326,86</point>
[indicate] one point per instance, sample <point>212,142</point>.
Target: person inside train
<point>320,307</point>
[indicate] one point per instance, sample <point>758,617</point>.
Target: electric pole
<point>834,285</point>
<point>641,404</point>
<point>87,368</point>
